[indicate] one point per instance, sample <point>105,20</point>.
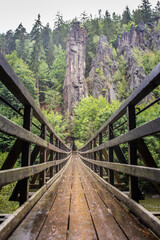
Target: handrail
<point>51,155</point>
<point>16,174</point>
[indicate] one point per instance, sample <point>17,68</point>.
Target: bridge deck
<point>76,206</point>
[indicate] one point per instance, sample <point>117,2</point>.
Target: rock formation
<point>102,69</point>
<point>75,87</point>
<point>144,36</point>
<point>134,73</point>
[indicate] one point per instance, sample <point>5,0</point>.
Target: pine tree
<point>126,16</point>
<point>47,45</point>
<point>37,50</point>
<point>146,11</point>
<point>20,35</point>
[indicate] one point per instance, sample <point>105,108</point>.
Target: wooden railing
<point>53,153</point>
<point>99,154</point>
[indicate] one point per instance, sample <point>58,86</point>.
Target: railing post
<point>51,154</point>
<point>26,154</point>
<point>57,155</point>
<point>132,154</point>
<point>95,167</point>
<point>110,156</point>
<point>100,155</point>
<point>42,175</point>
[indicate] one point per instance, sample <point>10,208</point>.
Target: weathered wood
<point>42,175</point>
<point>149,128</point>
<point>100,156</point>
<point>115,173</point>
<point>110,156</point>
<point>13,155</point>
<point>16,174</point>
<point>13,129</point>
<point>145,216</point>
<point>51,155</point>
<point>130,225</point>
<point>24,183</point>
<point>132,153</point>
<point>7,227</point>
<point>152,174</point>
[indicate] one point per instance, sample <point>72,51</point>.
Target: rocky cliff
<point>75,87</point>
<point>102,70</point>
<point>143,36</point>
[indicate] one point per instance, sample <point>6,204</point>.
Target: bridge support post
<point>95,167</point>
<point>132,154</point>
<point>51,154</point>
<point>57,155</point>
<point>26,154</point>
<point>100,156</point>
<point>42,175</point>
<point>110,156</point>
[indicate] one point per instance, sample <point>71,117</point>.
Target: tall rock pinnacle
<point>75,87</point>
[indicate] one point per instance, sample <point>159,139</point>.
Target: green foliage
<point>23,72</point>
<point>57,121</point>
<point>89,115</point>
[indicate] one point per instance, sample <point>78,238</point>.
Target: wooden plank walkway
<point>77,207</point>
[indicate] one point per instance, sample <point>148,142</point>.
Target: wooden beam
<point>149,128</point>
<point>132,154</point>
<point>13,155</point>
<point>110,156</point>
<point>42,175</point>
<point>152,174</point>
<point>16,174</point>
<point>26,151</point>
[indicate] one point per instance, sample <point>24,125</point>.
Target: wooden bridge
<point>65,194</point>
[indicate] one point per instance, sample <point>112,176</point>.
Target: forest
<point>39,60</point>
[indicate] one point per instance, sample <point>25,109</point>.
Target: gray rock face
<point>75,87</point>
<point>102,69</point>
<point>144,36</point>
<point>134,73</point>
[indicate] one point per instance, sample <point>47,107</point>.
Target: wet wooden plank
<point>31,226</point>
<point>56,224</point>
<point>144,215</point>
<point>80,225</point>
<point>104,222</point>
<point>129,224</point>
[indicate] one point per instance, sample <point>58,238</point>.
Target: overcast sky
<point>14,12</point>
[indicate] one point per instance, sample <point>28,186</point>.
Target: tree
<point>20,35</point>
<point>126,16</point>
<point>146,11</point>
<point>10,42</point>
<point>137,16</point>
<point>47,44</point>
<point>37,50</point>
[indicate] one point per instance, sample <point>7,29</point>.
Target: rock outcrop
<point>144,36</point>
<point>102,70</point>
<point>75,87</point>
<point>134,73</point>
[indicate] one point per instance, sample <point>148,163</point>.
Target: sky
<point>14,12</point>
